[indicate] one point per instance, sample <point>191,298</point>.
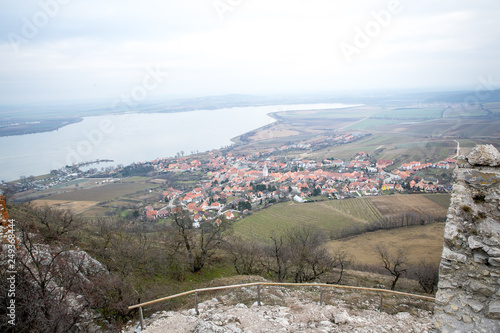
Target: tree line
<point>387,223</point>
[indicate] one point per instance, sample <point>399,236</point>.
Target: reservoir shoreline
<point>135,137</point>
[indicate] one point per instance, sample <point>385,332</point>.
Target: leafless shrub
<point>395,263</point>
<point>427,275</point>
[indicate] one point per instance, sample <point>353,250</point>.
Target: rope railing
<point>278,284</point>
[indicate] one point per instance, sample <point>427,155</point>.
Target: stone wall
<point>468,299</point>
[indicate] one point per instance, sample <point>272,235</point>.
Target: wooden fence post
<point>142,318</point>
<point>381,302</point>
<point>320,296</point>
<point>196,303</point>
<point>258,294</point>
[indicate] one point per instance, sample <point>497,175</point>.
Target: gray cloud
<point>98,49</point>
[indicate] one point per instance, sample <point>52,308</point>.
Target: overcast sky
<point>102,49</point>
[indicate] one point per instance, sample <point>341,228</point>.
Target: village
<point>233,185</point>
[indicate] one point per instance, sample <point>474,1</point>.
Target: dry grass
<point>422,242</point>
<point>277,131</point>
<point>75,206</point>
<point>103,192</point>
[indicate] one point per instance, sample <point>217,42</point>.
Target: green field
<point>71,183</point>
<point>410,113</point>
<point>333,216</point>
<point>135,179</point>
<point>368,145</point>
<point>370,122</point>
<point>329,216</point>
<point>354,112</point>
<point>400,148</point>
<point>103,192</point>
<point>442,199</point>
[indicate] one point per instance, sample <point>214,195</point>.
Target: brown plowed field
<point>399,204</point>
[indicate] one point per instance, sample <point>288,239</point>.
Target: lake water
<point>133,137</point>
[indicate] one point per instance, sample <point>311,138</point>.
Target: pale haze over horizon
<point>54,50</point>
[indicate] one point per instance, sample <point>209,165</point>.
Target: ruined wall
<point>468,299</point>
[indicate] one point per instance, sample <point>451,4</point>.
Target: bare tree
<point>54,224</point>
<point>427,275</point>
<point>300,255</point>
<point>394,263</point>
<point>124,250</point>
<point>53,282</point>
<point>309,258</point>
<point>277,257</point>
<point>200,244</point>
<point>246,256</point>
<point>342,260</point>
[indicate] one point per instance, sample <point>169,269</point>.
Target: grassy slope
<point>333,216</point>
<point>327,216</point>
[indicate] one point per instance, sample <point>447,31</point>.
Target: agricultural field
<point>372,122</point>
<point>75,206</point>
<point>357,112</point>
<point>442,199</point>
<point>464,110</point>
<point>461,127</point>
<point>135,179</point>
<point>368,144</point>
<point>400,148</point>
<point>493,107</point>
<point>476,129</point>
<point>333,216</point>
<point>400,204</point>
<point>103,193</point>
<point>361,208</point>
<point>329,216</point>
<point>433,151</point>
<point>421,242</point>
<point>411,113</point>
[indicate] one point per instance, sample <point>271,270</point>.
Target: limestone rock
<point>469,284</point>
<point>494,310</point>
<point>484,155</point>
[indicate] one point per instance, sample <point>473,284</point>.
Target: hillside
<point>336,215</point>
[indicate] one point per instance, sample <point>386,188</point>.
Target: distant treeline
<point>387,223</point>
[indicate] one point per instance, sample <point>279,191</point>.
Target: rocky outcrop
<point>468,299</point>
<point>295,312</point>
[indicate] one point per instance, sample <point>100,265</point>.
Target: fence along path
<point>259,284</point>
